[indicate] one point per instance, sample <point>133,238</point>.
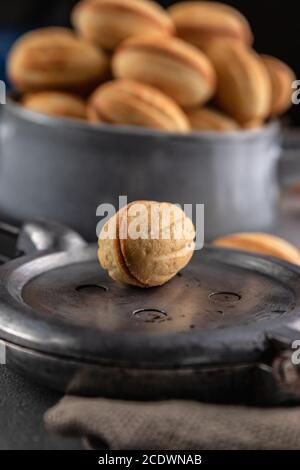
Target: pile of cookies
<point>130,62</point>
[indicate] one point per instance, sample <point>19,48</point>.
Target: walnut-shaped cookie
<point>146,243</point>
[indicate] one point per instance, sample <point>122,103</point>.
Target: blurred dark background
<point>275,24</point>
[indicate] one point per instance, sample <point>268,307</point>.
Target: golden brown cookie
<point>106,23</point>
<point>175,67</point>
<point>210,119</point>
<point>261,243</point>
<point>129,102</point>
<point>56,103</point>
<point>54,58</point>
<point>282,77</point>
<point>200,22</point>
<point>244,88</point>
<point>146,243</point>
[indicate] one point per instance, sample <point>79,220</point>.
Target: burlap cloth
<point>175,425</point>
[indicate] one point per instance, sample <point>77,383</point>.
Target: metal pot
<point>63,170</point>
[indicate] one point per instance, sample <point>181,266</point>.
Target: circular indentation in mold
<point>150,315</point>
<point>224,298</point>
<point>91,288</point>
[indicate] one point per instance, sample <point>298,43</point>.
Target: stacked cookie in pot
<point>130,62</point>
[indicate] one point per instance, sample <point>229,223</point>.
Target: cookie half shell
<point>55,103</point>
<point>200,22</point>
<point>106,23</point>
<point>261,243</point>
<point>133,103</point>
<point>282,77</point>
<point>178,69</point>
<point>54,58</point>
<point>209,119</point>
<point>244,86</point>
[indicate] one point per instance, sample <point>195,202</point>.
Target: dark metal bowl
<point>61,170</point>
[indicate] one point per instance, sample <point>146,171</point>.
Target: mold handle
<point>37,236</point>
